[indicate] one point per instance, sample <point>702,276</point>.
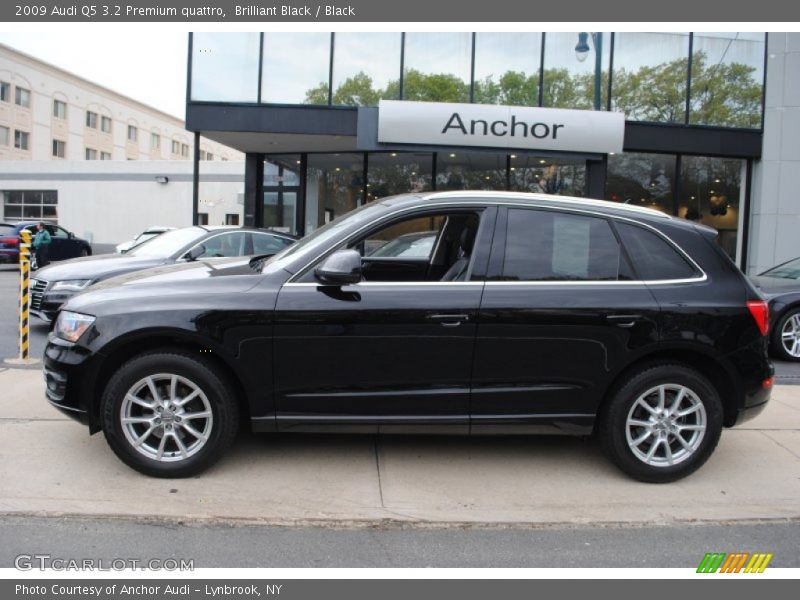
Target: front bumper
<point>68,373</point>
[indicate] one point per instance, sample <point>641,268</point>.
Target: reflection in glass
<point>507,68</point>
<point>650,74</point>
<point>334,186</point>
<point>392,173</point>
<point>547,175</point>
<point>366,68</point>
<point>437,67</point>
<point>296,68</point>
<point>711,190</point>
<point>642,179</point>
<point>727,79</point>
<point>567,81</point>
<point>470,171</point>
<point>225,67</point>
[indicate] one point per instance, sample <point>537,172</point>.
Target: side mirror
<point>195,253</point>
<point>71,235</point>
<point>340,268</point>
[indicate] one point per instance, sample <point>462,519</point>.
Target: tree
<point>722,94</point>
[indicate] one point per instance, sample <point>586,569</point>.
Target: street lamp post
<point>582,51</point>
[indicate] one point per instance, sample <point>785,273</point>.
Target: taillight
<point>760,311</point>
<point>11,241</point>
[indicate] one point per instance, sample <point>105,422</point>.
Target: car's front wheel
<point>661,424</point>
<point>169,414</point>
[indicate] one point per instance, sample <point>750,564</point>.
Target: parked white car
<point>147,234</point>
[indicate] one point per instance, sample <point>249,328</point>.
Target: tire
<point>84,252</point>
<point>619,438</point>
<point>790,321</point>
<point>211,412</point>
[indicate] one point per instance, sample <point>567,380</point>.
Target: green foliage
<point>722,94</point>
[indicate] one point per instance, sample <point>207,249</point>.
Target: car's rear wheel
<point>169,414</point>
<point>786,336</point>
<point>662,424</point>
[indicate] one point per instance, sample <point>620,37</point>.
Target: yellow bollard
<point>24,293</point>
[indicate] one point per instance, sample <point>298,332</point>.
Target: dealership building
<point>704,126</point>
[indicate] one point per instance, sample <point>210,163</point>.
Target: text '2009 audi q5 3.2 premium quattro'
<point>527,314</point>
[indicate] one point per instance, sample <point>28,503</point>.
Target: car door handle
<point>625,321</point>
<point>449,320</point>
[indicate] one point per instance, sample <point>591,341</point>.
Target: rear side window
<point>550,246</point>
<point>7,230</point>
<point>653,257</point>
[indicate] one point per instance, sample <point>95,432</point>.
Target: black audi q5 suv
<point>527,314</point>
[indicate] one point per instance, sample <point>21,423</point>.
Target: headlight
<point>72,285</point>
<point>71,326</point>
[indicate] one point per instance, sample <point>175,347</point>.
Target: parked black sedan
<point>781,286</point>
<point>63,244</point>
<point>55,284</point>
<point>529,314</point>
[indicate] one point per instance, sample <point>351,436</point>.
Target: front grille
<point>38,287</point>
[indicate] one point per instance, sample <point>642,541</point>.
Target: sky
<point>151,69</point>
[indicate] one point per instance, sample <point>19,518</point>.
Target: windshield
<point>789,270</point>
<point>168,243</point>
<point>318,239</point>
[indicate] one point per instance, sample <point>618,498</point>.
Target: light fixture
<point>710,191</point>
<point>452,155</point>
<point>513,156</point>
<point>513,168</point>
<point>162,179</point>
<point>413,172</point>
<point>297,161</point>
<point>394,153</point>
<point>692,198</point>
<point>542,161</point>
<point>487,178</point>
<point>611,153</point>
<point>338,169</point>
<point>582,47</point>
<point>716,181</point>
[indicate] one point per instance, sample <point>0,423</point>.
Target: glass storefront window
<point>334,186</point>
<point>437,67</point>
<point>470,171</point>
<point>642,179</point>
<point>392,173</point>
<point>507,68</point>
<point>547,175</point>
<point>569,79</point>
<point>281,192</point>
<point>366,68</point>
<point>296,68</point>
<point>650,75</point>
<point>225,67</point>
<point>711,193</point>
<point>727,79</point>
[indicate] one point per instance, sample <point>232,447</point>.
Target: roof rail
<point>549,198</point>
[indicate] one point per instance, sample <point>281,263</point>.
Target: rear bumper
<point>754,368</point>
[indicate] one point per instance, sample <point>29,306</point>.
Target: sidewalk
<point>50,466</point>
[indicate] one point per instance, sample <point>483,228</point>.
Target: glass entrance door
<point>280,209</point>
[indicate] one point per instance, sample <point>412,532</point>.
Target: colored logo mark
<point>737,562</point>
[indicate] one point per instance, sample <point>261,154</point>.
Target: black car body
<point>780,285</point>
<point>63,244</point>
<point>55,284</point>
<point>533,314</point>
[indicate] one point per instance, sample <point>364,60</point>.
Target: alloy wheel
<point>790,335</point>
<point>666,425</point>
<point>166,417</point>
